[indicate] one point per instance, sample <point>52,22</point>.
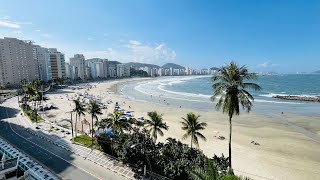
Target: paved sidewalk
<point>56,137</point>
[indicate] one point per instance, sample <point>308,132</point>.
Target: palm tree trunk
<point>191,140</point>
<point>79,120</point>
<point>230,133</point>
<point>155,135</point>
<point>75,127</point>
<point>92,129</point>
<point>71,126</point>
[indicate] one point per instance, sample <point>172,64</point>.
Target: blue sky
<point>281,36</point>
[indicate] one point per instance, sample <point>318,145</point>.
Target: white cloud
<point>105,54</point>
<point>267,65</point>
<point>6,21</point>
<point>38,30</point>
<point>9,24</point>
<point>137,52</point>
<point>159,53</point>
<point>134,42</point>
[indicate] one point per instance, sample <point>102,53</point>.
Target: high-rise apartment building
<point>17,61</point>
<point>78,61</point>
<point>112,69</point>
<point>43,59</point>
<point>71,72</point>
<point>57,62</point>
<point>161,72</point>
<point>98,67</point>
<point>123,70</point>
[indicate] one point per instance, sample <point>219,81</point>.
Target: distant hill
<point>135,64</point>
<point>214,68</point>
<point>114,62</point>
<point>173,66</point>
<point>317,72</point>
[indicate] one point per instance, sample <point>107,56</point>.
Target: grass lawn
<point>32,115</point>
<point>87,141</point>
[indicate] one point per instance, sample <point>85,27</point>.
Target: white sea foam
<point>275,102</point>
<point>160,87</point>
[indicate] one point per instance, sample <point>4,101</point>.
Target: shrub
<point>31,114</point>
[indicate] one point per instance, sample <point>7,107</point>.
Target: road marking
<point>50,151</point>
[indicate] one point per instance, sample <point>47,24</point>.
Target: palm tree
<point>156,124</point>
<point>192,126</point>
<point>94,110</point>
<point>29,90</point>
<point>79,109</point>
<point>230,85</point>
<point>210,172</point>
<point>115,122</point>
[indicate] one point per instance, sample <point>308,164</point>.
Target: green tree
<point>93,110</point>
<point>176,160</point>
<point>192,126</point>
<point>29,90</point>
<point>116,122</point>
<point>155,125</point>
<point>230,85</point>
<point>210,172</point>
<point>137,150</point>
<point>79,110</point>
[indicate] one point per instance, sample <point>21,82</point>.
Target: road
<point>62,162</point>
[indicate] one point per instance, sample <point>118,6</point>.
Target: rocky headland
<point>298,98</point>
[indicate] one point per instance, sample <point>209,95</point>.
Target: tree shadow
<point>60,92</point>
<point>48,150</point>
<point>50,115</point>
<point>4,112</point>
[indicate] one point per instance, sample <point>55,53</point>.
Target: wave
<point>275,102</point>
<point>160,87</point>
<point>182,80</point>
<point>203,96</point>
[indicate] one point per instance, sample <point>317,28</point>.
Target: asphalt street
<point>58,165</point>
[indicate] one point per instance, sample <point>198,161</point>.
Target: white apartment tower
<point>123,70</point>
<point>78,61</point>
<point>17,61</point>
<point>98,67</point>
<point>71,71</point>
<point>161,72</point>
<point>57,64</point>
<point>43,59</point>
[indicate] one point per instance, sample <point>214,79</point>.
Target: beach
<point>285,152</point>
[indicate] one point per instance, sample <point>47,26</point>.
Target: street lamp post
<point>71,123</point>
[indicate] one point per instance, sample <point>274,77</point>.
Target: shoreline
<point>281,153</point>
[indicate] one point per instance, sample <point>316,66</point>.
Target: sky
<point>271,35</point>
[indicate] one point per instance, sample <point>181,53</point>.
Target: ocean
<point>195,92</point>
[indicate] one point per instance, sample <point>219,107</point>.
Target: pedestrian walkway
<point>62,139</point>
<point>32,170</point>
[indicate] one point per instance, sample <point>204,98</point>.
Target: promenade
<point>55,151</point>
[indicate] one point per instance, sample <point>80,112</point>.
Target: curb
<point>59,145</point>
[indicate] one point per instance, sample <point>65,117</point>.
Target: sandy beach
<point>284,151</point>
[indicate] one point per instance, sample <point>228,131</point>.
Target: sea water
<point>195,92</point>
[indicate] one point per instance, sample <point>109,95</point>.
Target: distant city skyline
<point>267,36</point>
